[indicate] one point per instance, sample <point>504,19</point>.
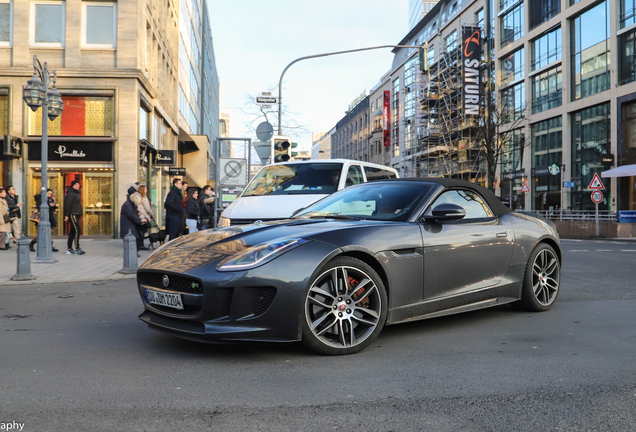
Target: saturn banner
<point>386,118</point>
<point>471,76</point>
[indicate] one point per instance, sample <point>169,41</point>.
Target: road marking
<point>603,250</point>
<point>628,250</point>
<point>579,250</point>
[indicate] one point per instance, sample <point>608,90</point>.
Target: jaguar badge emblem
<point>165,280</point>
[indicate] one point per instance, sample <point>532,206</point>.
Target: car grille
<point>177,283</point>
<point>193,288</point>
<point>265,298</point>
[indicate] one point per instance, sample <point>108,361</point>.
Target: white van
<point>278,190</point>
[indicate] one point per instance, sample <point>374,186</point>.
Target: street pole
<point>37,94</point>
<point>280,81</point>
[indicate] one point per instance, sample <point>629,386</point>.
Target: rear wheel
<point>345,308</point>
<point>541,281</point>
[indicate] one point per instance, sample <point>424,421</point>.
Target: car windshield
<point>294,179</point>
<point>374,201</point>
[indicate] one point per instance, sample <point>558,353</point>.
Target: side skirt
<point>466,308</point>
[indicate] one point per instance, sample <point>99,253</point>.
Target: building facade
<point>569,68</point>
<point>321,145</point>
<point>118,73</point>
<point>351,138</point>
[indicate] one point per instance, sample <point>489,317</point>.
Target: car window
<point>375,174</point>
<point>354,176</point>
<point>472,202</point>
<point>289,179</point>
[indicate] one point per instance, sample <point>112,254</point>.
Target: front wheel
<point>541,281</point>
<point>345,308</point>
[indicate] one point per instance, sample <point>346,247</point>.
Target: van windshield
<point>295,179</point>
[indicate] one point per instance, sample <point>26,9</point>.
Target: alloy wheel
<point>343,307</point>
<point>545,277</point>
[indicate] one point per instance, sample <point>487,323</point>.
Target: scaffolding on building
<point>448,142</point>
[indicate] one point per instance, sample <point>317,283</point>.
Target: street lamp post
<point>37,94</point>
<point>280,81</point>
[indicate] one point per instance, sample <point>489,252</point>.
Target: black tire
<point>541,281</point>
<point>339,318</point>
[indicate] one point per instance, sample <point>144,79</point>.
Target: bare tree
<point>495,132</point>
<point>257,114</point>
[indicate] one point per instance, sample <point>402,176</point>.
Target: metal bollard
<point>130,254</point>
<point>24,261</point>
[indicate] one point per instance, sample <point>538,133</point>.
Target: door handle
<point>502,234</point>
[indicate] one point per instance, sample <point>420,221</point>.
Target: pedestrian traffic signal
<point>281,148</point>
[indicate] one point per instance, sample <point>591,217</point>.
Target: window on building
<point>627,57</point>
<point>546,90</point>
<point>4,113</point>
<point>513,67</point>
<point>430,56</point>
<point>591,136</point>
<point>6,22</point>
<point>590,52</point>
<point>144,124</point>
<point>451,41</point>
<point>542,10</point>
<point>628,13</point>
<point>513,102</point>
<point>47,23</point>
<point>546,49</point>
<point>505,4</point>
<point>511,161</point>
<point>479,18</point>
<point>511,24</point>
<point>99,24</point>
<point>546,150</point>
<point>82,116</point>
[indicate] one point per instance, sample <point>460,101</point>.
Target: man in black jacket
<point>73,211</point>
<point>174,209</point>
<point>14,213</point>
<point>206,207</point>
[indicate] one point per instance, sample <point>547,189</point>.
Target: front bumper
<point>263,304</point>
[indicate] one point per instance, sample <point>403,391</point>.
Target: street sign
<point>233,172</point>
<point>568,184</point>
<point>597,197</point>
<point>266,93</point>
<point>266,100</point>
<point>266,106</point>
<point>264,131</point>
<point>263,150</point>
<point>596,183</point>
<point>525,188</point>
<point>176,172</point>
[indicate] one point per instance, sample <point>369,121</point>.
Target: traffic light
<point>293,146</point>
<point>281,148</point>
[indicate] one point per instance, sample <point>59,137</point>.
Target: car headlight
<point>260,254</point>
<point>223,222</point>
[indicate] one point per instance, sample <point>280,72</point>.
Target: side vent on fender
<point>404,251</point>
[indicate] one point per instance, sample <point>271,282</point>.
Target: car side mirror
<point>446,212</point>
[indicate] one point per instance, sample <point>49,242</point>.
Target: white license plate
<point>171,300</point>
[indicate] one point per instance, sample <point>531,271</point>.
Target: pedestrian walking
<point>52,219</point>
<point>192,211</point>
<point>145,209</point>
<point>174,209</point>
<point>14,204</point>
<point>73,211</point>
<point>206,207</point>
<point>130,218</point>
<point>5,220</point>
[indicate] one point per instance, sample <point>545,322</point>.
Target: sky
<point>254,40</point>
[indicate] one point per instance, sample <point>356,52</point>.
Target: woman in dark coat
<point>192,211</point>
<point>129,218</point>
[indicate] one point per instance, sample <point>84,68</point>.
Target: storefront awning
<point>621,171</point>
<point>186,143</point>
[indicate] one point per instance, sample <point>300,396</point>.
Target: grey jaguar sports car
<point>368,256</point>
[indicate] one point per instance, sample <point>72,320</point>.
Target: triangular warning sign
<point>525,188</point>
<point>596,183</point>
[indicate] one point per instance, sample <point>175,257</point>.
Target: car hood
<point>215,245</point>
<point>269,206</point>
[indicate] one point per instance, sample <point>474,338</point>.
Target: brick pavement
<point>103,259</point>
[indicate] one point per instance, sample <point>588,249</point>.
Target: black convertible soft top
<point>495,203</point>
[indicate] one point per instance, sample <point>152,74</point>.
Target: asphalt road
<point>74,357</point>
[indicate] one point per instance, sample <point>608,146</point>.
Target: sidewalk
<point>103,259</point>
